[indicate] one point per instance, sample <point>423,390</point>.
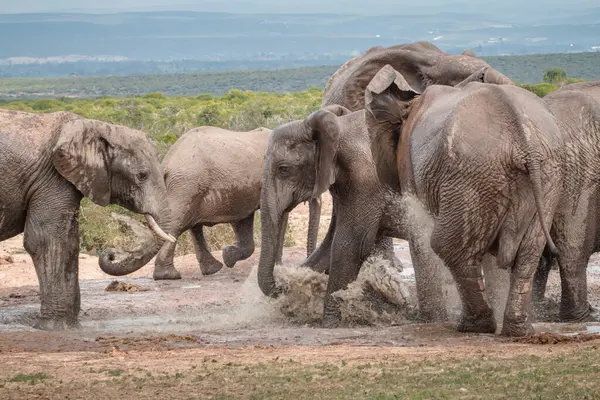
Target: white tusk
<point>156,229</point>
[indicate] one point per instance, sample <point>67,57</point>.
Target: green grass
<point>571,376</point>
<point>31,379</point>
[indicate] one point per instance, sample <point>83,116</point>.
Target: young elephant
<point>213,176</point>
<point>49,162</point>
<point>475,156</point>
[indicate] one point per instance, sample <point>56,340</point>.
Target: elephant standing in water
<point>330,150</point>
<point>212,176</point>
<point>475,156</point>
<point>49,162</point>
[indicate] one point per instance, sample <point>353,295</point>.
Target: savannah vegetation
<point>165,118</point>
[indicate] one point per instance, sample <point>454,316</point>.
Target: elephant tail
<point>536,182</point>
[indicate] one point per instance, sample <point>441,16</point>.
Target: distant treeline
<point>524,69</point>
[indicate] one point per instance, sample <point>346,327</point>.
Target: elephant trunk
<point>272,235</point>
<point>141,255</point>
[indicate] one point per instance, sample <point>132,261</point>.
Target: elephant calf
<point>49,162</point>
<point>212,176</point>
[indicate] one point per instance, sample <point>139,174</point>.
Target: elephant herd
<point>497,170</point>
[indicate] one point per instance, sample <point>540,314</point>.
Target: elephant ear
<point>82,155</point>
<point>485,75</point>
<point>387,100</point>
<point>325,130</point>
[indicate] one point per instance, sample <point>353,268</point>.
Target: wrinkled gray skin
<point>213,176</point>
<point>49,162</point>
<point>576,224</point>
<point>329,150</point>
<point>424,64</point>
<point>485,161</point>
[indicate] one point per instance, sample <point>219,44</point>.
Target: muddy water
<point>228,309</point>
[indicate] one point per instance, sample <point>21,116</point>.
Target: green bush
<point>165,119</point>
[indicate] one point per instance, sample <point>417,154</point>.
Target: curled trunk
<point>135,259</point>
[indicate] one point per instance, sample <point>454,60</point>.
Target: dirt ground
<point>167,326</point>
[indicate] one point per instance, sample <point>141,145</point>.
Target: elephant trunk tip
<point>269,288</point>
<point>107,263</point>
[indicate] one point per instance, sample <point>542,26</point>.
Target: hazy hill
<point>522,69</point>
<point>175,35</point>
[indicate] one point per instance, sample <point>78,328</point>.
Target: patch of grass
<point>32,379</point>
<point>114,372</point>
<point>569,376</point>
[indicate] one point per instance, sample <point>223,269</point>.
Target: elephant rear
<point>216,171</point>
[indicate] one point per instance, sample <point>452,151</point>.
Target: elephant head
<point>299,165</point>
<point>113,164</point>
<point>420,63</point>
<point>389,100</point>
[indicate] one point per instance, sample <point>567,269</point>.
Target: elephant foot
<point>166,273</point>
<point>481,324</point>
<point>512,329</point>
<point>231,255</point>
<point>56,324</point>
<point>332,319</point>
<point>590,314</point>
<point>331,322</point>
<point>212,268</point>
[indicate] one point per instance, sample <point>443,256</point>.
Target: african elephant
<point>576,221</point>
<point>212,176</point>
<point>423,64</point>
<point>329,150</point>
<point>49,162</point>
<point>426,64</point>
<point>475,156</point>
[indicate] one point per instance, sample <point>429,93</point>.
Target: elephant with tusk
<point>49,162</point>
<point>213,176</point>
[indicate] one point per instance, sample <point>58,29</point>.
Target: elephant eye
<point>283,170</point>
<point>142,176</point>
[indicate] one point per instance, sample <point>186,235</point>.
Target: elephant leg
<point>540,279</point>
<point>244,242</point>
<point>518,311</point>
<point>164,269</point>
<point>208,263</point>
<point>319,259</point>
<point>51,237</point>
<point>477,315</point>
<point>574,306</point>
<point>353,242</point>
<point>465,264</point>
<point>429,280</point>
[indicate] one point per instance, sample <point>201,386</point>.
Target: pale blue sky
<point>344,6</point>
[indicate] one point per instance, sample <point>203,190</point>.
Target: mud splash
<point>377,297</point>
